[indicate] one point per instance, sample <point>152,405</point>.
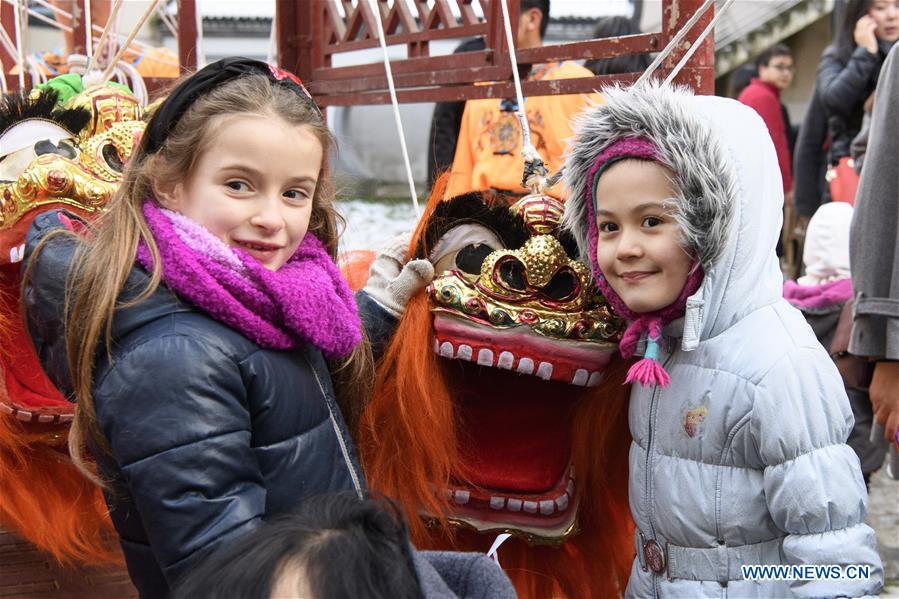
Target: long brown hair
<point>104,260</point>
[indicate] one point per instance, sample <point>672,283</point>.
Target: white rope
<point>3,87</point>
<point>88,32</point>
<point>272,57</point>
<point>45,19</point>
<point>674,41</point>
<point>201,50</point>
<point>113,15</point>
<point>166,20</point>
<point>705,32</point>
<point>17,23</point>
<point>527,149</point>
<point>127,43</point>
<point>8,43</point>
<point>396,106</point>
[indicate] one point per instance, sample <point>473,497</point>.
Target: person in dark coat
<point>809,160</point>
<point>206,401</point>
<point>337,546</point>
<point>848,71</point>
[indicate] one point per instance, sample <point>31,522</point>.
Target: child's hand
<point>392,281</point>
<point>864,34</point>
<point>884,393</point>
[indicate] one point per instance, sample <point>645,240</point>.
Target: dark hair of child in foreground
<point>336,546</point>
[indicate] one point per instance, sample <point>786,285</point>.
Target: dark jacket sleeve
<point>809,159</point>
<point>843,87</point>
<point>174,410</point>
<point>378,323</point>
<point>44,295</point>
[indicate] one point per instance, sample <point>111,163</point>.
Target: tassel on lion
<point>499,405</point>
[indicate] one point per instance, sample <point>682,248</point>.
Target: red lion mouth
<point>515,392</point>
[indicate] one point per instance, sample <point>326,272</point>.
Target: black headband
<point>207,78</point>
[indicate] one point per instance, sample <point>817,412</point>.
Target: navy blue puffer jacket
<point>210,433</point>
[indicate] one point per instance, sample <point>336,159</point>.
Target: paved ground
<point>883,516</point>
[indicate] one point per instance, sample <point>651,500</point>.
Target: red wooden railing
<point>312,32</point>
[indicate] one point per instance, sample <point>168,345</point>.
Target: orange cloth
<point>154,62</point>
<point>488,153</point>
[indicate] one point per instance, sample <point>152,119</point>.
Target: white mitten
<point>391,283</point>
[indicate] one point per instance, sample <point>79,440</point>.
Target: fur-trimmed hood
<point>730,197</point>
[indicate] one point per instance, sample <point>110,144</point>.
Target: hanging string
<point>705,32</point>
<point>8,44</point>
<point>535,172</point>
<point>127,43</point>
<point>674,42</point>
<point>396,106</point>
<point>45,19</point>
<point>201,51</point>
<point>88,32</point>
<point>106,29</point>
<point>272,57</point>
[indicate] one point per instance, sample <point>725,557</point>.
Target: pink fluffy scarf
<point>306,300</point>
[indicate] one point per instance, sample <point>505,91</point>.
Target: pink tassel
<point>647,372</point>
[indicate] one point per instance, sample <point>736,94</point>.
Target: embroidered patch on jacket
<point>695,415</point>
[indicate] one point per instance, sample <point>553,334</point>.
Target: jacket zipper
<point>648,475</point>
<point>343,446</point>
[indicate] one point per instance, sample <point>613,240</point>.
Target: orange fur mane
<point>409,449</point>
<point>43,497</point>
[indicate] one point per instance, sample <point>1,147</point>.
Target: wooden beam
<point>475,92</point>
<point>187,35</point>
<point>79,27</point>
<point>7,21</point>
<point>675,14</point>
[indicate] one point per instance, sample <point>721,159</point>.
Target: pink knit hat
<point>648,370</point>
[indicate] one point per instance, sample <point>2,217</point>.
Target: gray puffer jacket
<point>742,460</point>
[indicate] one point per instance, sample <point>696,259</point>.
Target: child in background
<point>739,418</point>
<point>824,289</point>
<point>337,546</point>
<point>207,400</point>
<point>823,296</point>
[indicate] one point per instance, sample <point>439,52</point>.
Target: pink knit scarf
<point>306,300</point>
<point>649,370</point>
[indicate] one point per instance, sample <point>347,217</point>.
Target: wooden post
<point>7,21</point>
<point>187,35</point>
<point>286,12</point>
<point>299,49</point>
<point>79,27</point>
<point>699,73</point>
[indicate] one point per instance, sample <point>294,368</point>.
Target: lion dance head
<point>71,156</point>
<point>499,404</point>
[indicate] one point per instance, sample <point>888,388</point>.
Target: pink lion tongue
<point>515,429</point>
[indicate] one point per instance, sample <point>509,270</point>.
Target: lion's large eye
<point>112,158</point>
<point>63,147</point>
<point>464,249</point>
<point>470,258</point>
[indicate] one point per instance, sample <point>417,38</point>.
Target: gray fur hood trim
<point>664,115</point>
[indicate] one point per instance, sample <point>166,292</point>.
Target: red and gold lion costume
<point>68,157</point>
<point>499,404</point>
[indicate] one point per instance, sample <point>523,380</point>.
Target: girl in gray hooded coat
<point>738,415</point>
